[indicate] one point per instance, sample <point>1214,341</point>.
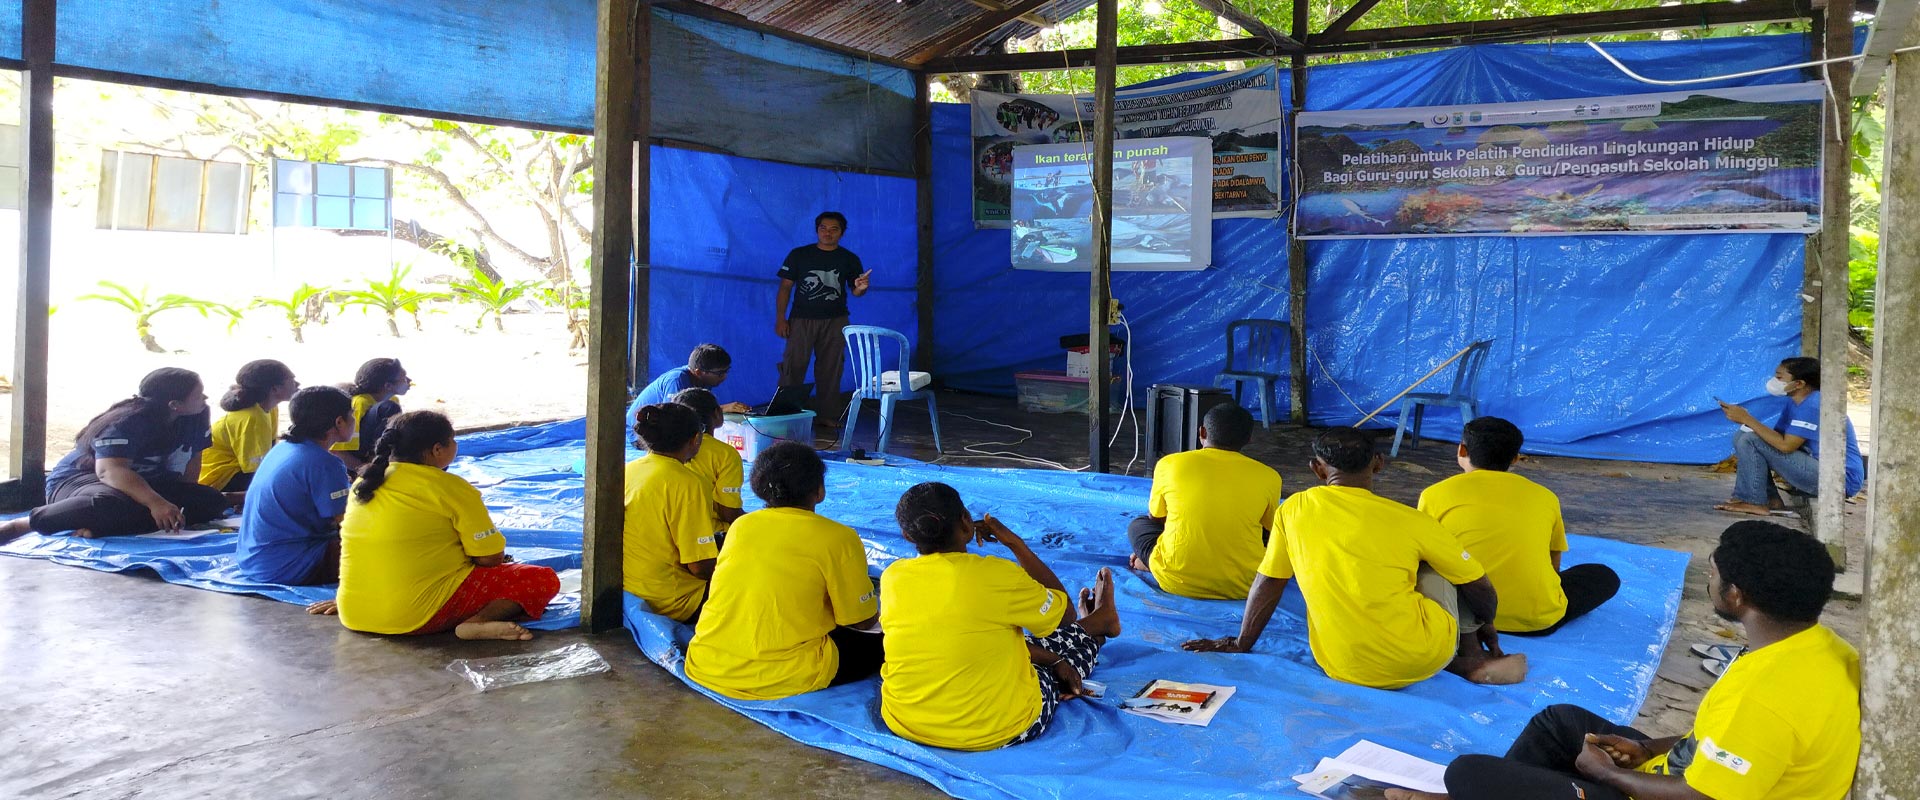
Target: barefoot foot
<point>324,608</point>
<point>1739,507</point>
<point>1134,563</point>
<point>1503,671</point>
<point>1409,794</point>
<point>1097,612</point>
<point>492,630</point>
<point>85,533</point>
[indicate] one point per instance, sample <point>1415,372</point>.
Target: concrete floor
<point>120,686</point>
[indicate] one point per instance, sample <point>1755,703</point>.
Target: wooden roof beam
<point>1353,14</point>
<point>1892,29</point>
<point>1226,10</point>
<point>955,39</point>
<point>1031,19</point>
<point>1635,20</point>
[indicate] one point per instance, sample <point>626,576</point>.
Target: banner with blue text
<point>1697,161</point>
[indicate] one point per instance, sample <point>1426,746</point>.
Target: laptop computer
<point>786,400</point>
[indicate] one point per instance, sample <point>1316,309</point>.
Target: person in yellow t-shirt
<point>669,548</point>
<point>959,673</point>
<point>418,552</point>
<point>791,609</point>
<point>1391,597</point>
<point>717,462</point>
<point>1783,722</point>
<point>1208,513</point>
<point>1512,526</point>
<point>376,389</point>
<point>242,436</point>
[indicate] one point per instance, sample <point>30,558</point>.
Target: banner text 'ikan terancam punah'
<point>1698,161</point>
<point>1239,112</point>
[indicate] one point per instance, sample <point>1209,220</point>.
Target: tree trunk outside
<point>297,337</point>
<point>393,326</point>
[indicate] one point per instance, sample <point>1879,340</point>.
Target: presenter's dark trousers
<point>1587,586</point>
<point>1539,765</point>
<point>819,341</point>
<point>84,502</point>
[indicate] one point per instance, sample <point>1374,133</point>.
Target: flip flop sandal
<point>1717,652</point>
<point>1714,667</point>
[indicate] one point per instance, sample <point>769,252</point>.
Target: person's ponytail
<point>254,383</point>
<point>375,472</point>
<point>407,439</point>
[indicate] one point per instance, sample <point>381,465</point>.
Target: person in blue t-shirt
<point>706,368</point>
<point>290,524</point>
<point>1790,447</point>
<point>134,468</point>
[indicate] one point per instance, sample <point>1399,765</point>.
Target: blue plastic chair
<point>1466,375</point>
<point>1263,362</point>
<point>866,348</point>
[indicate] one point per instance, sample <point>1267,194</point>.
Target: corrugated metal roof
<point>903,30</point>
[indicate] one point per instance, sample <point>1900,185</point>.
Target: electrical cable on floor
<point>1008,455</point>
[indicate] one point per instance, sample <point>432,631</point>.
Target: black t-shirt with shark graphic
<point>821,280</point>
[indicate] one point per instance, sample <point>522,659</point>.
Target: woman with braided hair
<point>418,552</point>
<point>133,467</point>
<point>959,673</point>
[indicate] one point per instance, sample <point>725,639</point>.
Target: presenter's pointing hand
<point>860,283</point>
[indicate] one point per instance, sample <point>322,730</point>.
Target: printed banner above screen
<point>1160,220</point>
<point>1699,161</point>
<point>1238,112</point>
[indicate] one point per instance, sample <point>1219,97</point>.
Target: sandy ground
<point>477,377</point>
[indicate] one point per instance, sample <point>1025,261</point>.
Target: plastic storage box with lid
<point>753,435</point>
<point>1051,392</point>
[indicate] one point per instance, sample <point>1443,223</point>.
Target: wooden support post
<point>1836,179</point>
<point>1106,66</point>
<point>1890,691</point>
<point>620,114</point>
<point>29,451</point>
<point>1296,249</point>
<point>923,212</point>
<point>1810,278</point>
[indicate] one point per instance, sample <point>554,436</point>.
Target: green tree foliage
<point>144,308</point>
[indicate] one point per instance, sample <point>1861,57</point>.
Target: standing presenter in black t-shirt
<point>812,310</point>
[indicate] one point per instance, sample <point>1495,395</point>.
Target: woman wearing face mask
<point>1790,447</point>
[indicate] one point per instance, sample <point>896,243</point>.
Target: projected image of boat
<point>1051,242</point>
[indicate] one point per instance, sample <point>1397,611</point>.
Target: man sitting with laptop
<point>706,368</point>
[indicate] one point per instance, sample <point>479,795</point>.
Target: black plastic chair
<point>1262,362</point>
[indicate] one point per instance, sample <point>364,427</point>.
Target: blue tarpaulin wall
<point>721,228</point>
<point>1604,346</point>
<point>532,62</point>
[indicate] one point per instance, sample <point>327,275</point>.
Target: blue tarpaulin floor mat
<point>1286,715</point>
<point>534,499</point>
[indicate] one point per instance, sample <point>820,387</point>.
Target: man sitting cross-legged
<point>1783,722</point>
<point>1391,598</point>
<point>1209,512</point>
<point>1513,527</point>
